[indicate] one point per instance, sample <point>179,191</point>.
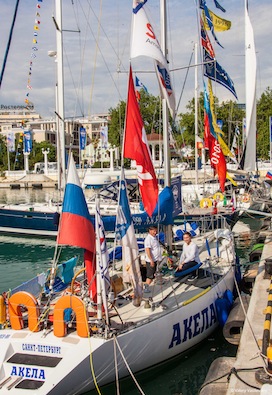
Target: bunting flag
<point>208,19</point>
<point>145,43</point>
<point>205,41</point>
<point>75,228</point>
<point>130,252</point>
<point>34,49</point>
<point>136,148</point>
<point>219,24</point>
<point>140,85</point>
<point>217,158</point>
<point>215,72</point>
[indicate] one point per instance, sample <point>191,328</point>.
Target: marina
<point>135,244</point>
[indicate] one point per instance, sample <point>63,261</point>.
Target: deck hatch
<point>32,359</point>
<point>30,384</point>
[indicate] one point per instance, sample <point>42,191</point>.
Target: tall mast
<point>60,95</point>
<point>165,118</point>
<point>196,118</point>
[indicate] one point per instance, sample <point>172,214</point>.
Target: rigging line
<point>185,79</point>
<point>128,368</point>
<point>95,57</point>
<point>82,55</point>
<point>104,60</point>
<point>9,42</point>
<point>107,37</point>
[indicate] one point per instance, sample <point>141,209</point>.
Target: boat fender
<point>223,307</point>
<point>233,327</point>
<point>3,313</point>
<point>205,203</point>
<point>218,196</point>
<point>245,198</point>
<point>26,299</point>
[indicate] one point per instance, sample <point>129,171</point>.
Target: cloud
<point>96,91</point>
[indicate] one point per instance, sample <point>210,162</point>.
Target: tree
<point>264,111</point>
<point>228,112</point>
<point>36,154</point>
<point>150,111</point>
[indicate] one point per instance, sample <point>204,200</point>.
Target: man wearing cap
<point>153,255</point>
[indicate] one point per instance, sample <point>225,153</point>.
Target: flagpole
<point>98,258</point>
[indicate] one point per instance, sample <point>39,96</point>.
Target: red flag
<point>89,260</point>
<point>217,158</point>
<point>136,148</point>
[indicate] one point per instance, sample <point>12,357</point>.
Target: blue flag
<point>215,72</point>
<point>140,85</point>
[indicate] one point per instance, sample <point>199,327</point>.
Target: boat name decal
<point>32,373</point>
<point>4,336</point>
<point>41,348</point>
<point>193,326</point>
<point>138,220</point>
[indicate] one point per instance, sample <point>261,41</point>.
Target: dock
<point>247,368</point>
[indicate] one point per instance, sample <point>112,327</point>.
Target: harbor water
<point>22,258</point>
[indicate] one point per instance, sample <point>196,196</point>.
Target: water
<point>23,258</point>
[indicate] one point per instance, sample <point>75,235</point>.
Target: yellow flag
<point>36,27</point>
<point>219,133</point>
<point>219,24</point>
<point>234,183</point>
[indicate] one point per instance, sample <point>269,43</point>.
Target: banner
<point>11,142</point>
<point>83,138</point>
<point>177,196</point>
<point>27,141</point>
<point>104,136</point>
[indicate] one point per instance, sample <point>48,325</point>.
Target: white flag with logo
<point>145,43</point>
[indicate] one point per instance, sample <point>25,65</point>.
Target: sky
<point>94,52</point>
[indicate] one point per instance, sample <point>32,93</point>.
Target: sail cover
<point>251,67</point>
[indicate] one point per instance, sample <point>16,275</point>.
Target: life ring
<point>205,203</point>
<point>15,313</point>
<point>76,304</point>
<point>218,196</point>
<point>245,198</point>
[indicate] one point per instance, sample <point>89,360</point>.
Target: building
<point>14,119</point>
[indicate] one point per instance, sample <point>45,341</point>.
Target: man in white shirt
<point>153,254</point>
<point>190,255</point>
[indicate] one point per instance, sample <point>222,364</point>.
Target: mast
<point>9,42</point>
<point>60,95</point>
<point>165,117</point>
<point>196,118</point>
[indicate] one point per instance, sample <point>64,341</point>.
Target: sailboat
<point>75,329</point>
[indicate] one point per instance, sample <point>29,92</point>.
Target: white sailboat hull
<point>163,335</point>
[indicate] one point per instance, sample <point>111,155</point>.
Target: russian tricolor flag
<point>269,175</point>
<point>76,228</point>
